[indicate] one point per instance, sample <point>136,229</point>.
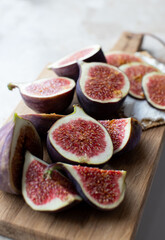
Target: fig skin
<point>72,70</point>
<point>8,136</point>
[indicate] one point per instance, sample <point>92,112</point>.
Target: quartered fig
<point>15,137</point>
<point>47,95</point>
<point>44,188</point>
<point>153,85</point>
<point>68,67</point>
<point>103,189</point>
<point>78,138</point>
<point>101,89</point>
<point>135,73</point>
<point>118,58</point>
<point>125,133</point>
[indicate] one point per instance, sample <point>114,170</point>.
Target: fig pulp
<point>44,188</point>
<point>78,138</point>
<point>15,137</point>
<point>153,85</point>
<point>118,58</point>
<point>125,133</point>
<point>103,189</point>
<point>47,95</point>
<point>101,89</point>
<point>135,73</point>
<point>68,67</point>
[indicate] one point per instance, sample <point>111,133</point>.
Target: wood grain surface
<point>18,221</point>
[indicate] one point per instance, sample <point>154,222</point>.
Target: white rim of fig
<point>121,184</point>
<point>77,114</point>
<point>145,81</point>
<point>84,77</point>
<point>55,203</point>
<point>94,49</point>
<point>132,64</point>
<point>23,86</point>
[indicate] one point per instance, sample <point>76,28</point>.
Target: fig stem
<point>11,86</point>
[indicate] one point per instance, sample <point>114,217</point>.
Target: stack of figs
<point>81,142</point>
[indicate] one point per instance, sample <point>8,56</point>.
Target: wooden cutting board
<point>18,221</point>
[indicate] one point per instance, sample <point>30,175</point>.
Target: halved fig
<point>15,137</point>
<point>47,95</point>
<point>118,58</point>
<point>78,138</point>
<point>101,89</point>
<point>44,188</point>
<point>135,73</point>
<point>68,67</point>
<point>154,89</point>
<point>125,133</point>
<point>103,189</point>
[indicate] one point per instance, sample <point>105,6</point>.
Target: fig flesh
<point>125,133</point>
<point>47,95</point>
<point>68,67</point>
<point>118,58</point>
<point>101,89</point>
<point>44,188</point>
<point>79,139</point>
<point>103,189</point>
<point>153,85</point>
<point>135,73</point>
<point>15,137</point>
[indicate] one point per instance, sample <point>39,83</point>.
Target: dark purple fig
<point>44,188</point>
<point>42,121</point>
<point>78,138</point>
<point>118,58</point>
<point>68,67</point>
<point>103,189</point>
<point>135,73</point>
<point>47,95</point>
<point>101,89</point>
<point>125,133</point>
<point>153,85</point>
<point>15,137</point>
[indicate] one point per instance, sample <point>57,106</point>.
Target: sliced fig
<point>135,73</point>
<point>103,189</point>
<point>44,188</point>
<point>15,137</point>
<point>154,89</point>
<point>47,95</point>
<point>101,89</point>
<point>78,138</point>
<point>125,133</point>
<point>118,58</point>
<point>68,67</point>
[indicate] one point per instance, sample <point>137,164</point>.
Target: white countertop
<point>36,32</point>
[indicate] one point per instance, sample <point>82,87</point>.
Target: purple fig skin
<point>42,122</point>
<point>7,170</point>
<point>72,70</point>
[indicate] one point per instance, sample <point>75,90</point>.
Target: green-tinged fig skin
<point>42,122</point>
<point>6,137</point>
<point>72,70</point>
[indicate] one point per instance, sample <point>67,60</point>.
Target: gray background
<point>36,32</point>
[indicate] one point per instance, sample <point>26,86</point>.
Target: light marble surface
<point>35,32</point>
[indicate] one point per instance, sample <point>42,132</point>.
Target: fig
<point>125,133</point>
<point>118,58</point>
<point>153,85</point>
<point>68,67</point>
<point>47,95</point>
<point>15,137</point>
<point>79,138</point>
<point>101,89</point>
<point>135,73</point>
<point>103,189</point>
<point>44,188</point>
